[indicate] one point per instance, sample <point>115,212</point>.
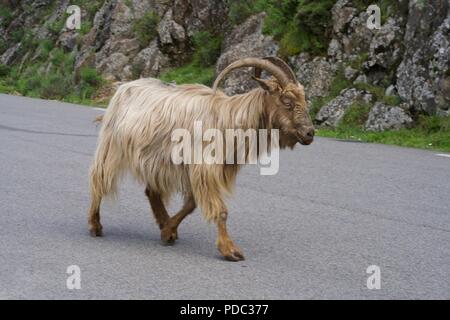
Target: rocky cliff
<point>394,73</point>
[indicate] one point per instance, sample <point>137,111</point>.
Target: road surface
<point>334,209</point>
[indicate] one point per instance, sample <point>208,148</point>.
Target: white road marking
<point>443,155</point>
<point>100,109</point>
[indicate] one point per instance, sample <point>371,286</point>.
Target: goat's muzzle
<point>306,136</point>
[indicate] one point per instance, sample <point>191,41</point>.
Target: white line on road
<point>443,155</point>
<point>100,109</point>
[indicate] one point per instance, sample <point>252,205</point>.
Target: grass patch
<point>432,133</point>
<point>201,68</point>
<point>190,73</point>
<point>146,28</point>
<point>51,77</point>
<point>355,116</point>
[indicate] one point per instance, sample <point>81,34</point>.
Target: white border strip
<point>443,155</point>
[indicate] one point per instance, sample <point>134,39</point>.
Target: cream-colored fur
<point>136,135</point>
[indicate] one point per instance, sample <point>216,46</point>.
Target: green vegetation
<point>430,133</point>
<point>5,16</point>
<point>51,77</point>
<point>239,11</point>
<point>146,28</point>
<point>299,25</point>
<point>355,116</point>
<point>201,68</point>
<point>56,26</point>
<point>4,70</point>
<point>45,71</point>
<point>359,60</point>
<point>190,73</point>
<point>207,48</point>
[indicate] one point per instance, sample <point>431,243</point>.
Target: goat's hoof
<point>234,256</point>
<point>96,232</point>
<point>231,253</point>
<point>169,236</point>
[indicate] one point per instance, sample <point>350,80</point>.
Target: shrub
<point>207,48</point>
<point>5,16</point>
<point>239,11</point>
<point>4,70</point>
<point>56,26</point>
<point>355,116</point>
<point>55,86</point>
<point>299,25</point>
<point>91,77</point>
<point>146,28</point>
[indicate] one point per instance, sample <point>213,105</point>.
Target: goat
<point>136,135</point>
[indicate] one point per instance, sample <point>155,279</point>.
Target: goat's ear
<point>270,86</point>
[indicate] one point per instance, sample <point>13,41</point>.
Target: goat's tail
<point>106,167</point>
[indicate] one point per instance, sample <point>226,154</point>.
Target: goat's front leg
<point>225,245</point>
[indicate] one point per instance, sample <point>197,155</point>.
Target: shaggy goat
<point>136,136</point>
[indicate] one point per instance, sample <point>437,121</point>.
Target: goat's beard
<point>288,141</point>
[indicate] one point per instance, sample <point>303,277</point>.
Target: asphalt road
<point>310,232</point>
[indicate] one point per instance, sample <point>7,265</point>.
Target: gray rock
<point>169,31</point>
<point>342,15</point>
<point>11,54</point>
<point>426,59</point>
<point>150,61</point>
<point>384,117</point>
<point>316,75</point>
<point>246,40</point>
<point>331,114</point>
<point>335,50</point>
<point>350,73</point>
<point>112,67</point>
<point>361,79</point>
<point>67,40</point>
<point>385,46</point>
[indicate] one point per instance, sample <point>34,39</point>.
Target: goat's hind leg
<point>168,225</point>
<point>97,192</point>
<point>95,227</point>
<point>170,231</point>
<point>103,179</point>
<point>159,210</point>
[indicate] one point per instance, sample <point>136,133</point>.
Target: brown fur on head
<point>288,112</point>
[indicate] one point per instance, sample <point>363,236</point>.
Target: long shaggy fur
<point>136,135</point>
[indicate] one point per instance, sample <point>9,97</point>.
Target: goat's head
<point>285,101</point>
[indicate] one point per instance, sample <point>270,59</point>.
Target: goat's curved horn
<point>262,64</point>
<point>280,64</point>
